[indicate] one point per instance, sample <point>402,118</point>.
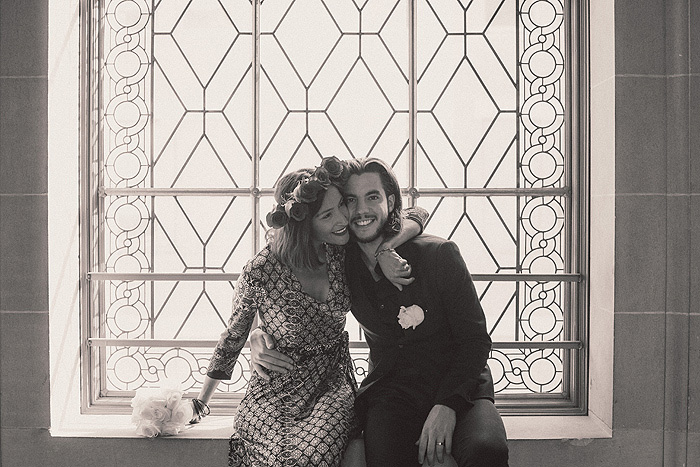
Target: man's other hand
<point>435,442</point>
<point>263,356</point>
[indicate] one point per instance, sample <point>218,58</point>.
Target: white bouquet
<point>160,411</point>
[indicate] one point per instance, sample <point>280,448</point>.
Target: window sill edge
<point>120,426</point>
<point>562,427</point>
<point>518,427</point>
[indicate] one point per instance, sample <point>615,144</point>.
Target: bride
<point>297,286</point>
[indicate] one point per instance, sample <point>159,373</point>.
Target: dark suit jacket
<point>442,360</point>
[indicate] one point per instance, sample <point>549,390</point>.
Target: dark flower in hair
<point>296,210</point>
<point>317,185</point>
<point>307,191</point>
<point>321,176</point>
<point>277,218</point>
<point>296,203</point>
<point>342,179</point>
<point>334,166</point>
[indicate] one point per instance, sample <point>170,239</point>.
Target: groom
<point>429,392</point>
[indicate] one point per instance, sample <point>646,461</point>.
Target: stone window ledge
<point>220,427</point>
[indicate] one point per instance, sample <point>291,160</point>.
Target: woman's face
<point>330,224</point>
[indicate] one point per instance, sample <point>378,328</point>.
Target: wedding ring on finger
<point>440,443</point>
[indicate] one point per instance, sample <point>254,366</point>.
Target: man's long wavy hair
<point>390,184</point>
<point>292,243</point>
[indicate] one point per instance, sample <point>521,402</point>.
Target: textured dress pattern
<point>303,417</point>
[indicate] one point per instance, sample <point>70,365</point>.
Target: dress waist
<point>317,368</point>
<point>329,347</point>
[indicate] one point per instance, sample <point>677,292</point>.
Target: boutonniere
<point>410,317</point>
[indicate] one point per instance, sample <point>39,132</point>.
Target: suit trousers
<point>393,425</point>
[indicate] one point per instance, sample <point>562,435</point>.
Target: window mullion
<point>256,191</point>
<point>100,301</point>
<point>412,103</point>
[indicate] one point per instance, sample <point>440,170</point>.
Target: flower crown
<point>296,202</point>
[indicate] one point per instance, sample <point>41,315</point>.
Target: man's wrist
<point>419,217</point>
<point>382,249</point>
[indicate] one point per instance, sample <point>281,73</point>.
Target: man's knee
<point>485,452</point>
<point>480,438</point>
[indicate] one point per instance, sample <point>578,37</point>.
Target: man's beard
<point>369,239</point>
<point>372,237</point>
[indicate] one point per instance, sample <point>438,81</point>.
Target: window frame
<point>578,131</point>
<point>64,145</point>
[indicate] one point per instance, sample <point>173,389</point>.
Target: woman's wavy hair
<point>292,243</point>
<point>390,184</point>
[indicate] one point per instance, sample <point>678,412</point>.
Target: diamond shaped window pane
<point>307,34</point>
<point>204,33</point>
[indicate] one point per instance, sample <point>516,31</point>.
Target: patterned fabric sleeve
<point>417,214</point>
<point>234,337</point>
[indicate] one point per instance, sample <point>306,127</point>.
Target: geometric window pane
<point>176,83</point>
<point>527,371</point>
<point>468,59</point>
<point>467,94</point>
<point>542,95</point>
<point>166,310</point>
<point>176,233</point>
<point>326,91</point>
<point>484,228</point>
<point>129,368</point>
<point>202,110</point>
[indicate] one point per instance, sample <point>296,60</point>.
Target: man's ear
<point>391,200</point>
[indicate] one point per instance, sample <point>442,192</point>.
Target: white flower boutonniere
<point>410,317</point>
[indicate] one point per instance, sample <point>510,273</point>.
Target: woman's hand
<point>196,418</point>
<point>394,267</point>
<point>264,357</point>
<point>354,454</point>
<point>199,410</point>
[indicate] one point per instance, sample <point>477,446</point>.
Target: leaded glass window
<point>197,107</point>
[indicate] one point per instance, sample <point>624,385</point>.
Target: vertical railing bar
<point>518,155</point>
<point>568,383</point>
<point>101,305</point>
<point>412,103</point>
<point>86,85</point>
<point>580,51</point>
<point>255,151</point>
<point>255,190</point>
<point>152,164</point>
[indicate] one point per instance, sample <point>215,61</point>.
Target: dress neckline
<point>329,274</point>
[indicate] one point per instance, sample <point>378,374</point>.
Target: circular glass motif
<point>127,13</point>
<point>542,13</point>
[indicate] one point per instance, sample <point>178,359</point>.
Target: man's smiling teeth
<point>364,222</point>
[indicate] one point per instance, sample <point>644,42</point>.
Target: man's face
<point>368,206</point>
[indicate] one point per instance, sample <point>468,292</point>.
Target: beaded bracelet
<point>379,252</point>
<point>201,410</point>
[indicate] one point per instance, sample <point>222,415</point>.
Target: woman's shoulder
<point>262,257</point>
<point>263,263</point>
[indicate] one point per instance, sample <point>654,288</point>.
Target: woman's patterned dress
<point>303,417</point>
